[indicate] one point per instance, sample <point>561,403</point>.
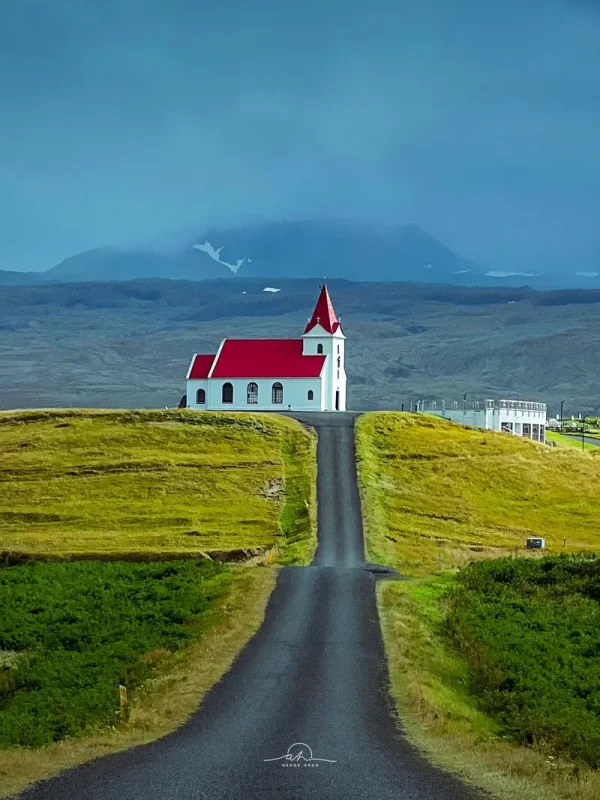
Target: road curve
<point>312,681</point>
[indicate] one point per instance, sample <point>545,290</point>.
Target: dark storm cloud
<point>124,121</point>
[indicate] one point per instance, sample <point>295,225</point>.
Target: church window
<point>311,394</point>
<point>277,394</point>
<point>227,395</point>
<point>252,393</point>
<point>200,397</point>
<point>320,349</point>
<point>338,349</point>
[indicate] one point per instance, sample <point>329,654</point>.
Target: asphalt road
<point>313,679</point>
<point>588,439</point>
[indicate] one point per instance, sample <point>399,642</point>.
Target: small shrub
<point>530,632</point>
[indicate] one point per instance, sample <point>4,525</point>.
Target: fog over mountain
<point>139,122</point>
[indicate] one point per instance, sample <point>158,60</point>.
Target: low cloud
<point>147,122</point>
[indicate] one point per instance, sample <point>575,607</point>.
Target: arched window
<point>200,397</point>
<point>227,395</point>
<point>320,349</point>
<point>311,394</point>
<point>277,394</point>
<point>252,393</point>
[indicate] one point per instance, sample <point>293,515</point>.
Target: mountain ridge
<point>280,250</point>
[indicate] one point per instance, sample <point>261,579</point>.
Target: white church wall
<point>295,394</point>
<point>192,393</point>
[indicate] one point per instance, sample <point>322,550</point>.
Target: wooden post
<point>123,702</point>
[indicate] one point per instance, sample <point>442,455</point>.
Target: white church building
<point>305,374</point>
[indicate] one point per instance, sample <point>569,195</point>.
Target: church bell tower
<point>323,335</point>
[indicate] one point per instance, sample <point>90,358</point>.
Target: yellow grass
<point>438,494</point>
<point>165,702</point>
<point>153,483</point>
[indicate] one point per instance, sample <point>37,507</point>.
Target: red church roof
<point>324,314</point>
<point>201,366</point>
<point>265,358</point>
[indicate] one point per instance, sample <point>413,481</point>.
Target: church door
<point>337,400</point>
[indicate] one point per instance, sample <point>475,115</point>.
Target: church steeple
<point>324,314</point>
<point>323,336</point>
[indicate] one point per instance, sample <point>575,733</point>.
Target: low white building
<point>519,417</point>
<point>305,374</point>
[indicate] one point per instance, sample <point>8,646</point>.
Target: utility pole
<point>583,434</point>
<point>562,402</point>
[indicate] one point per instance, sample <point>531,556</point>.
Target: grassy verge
<point>155,484</point>
<point>439,495</point>
<point>167,699</point>
<point>430,684</point>
<point>298,520</point>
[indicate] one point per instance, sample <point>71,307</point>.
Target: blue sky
<point>130,121</point>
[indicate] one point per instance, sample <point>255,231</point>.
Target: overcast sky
<point>124,121</point>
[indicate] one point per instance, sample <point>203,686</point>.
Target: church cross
<point>318,320</point>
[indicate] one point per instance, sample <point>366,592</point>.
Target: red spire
<point>324,314</point>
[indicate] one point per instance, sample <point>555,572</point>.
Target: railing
<point>479,405</point>
<point>523,405</point>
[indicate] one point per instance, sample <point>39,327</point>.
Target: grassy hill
<point>154,484</point>
<point>493,667</point>
<point>79,489</point>
<point>440,494</point>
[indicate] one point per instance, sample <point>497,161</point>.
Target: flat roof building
<point>519,417</point>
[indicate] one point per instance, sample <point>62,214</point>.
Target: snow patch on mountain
<point>587,274</point>
<point>215,254</point>
<point>501,274</point>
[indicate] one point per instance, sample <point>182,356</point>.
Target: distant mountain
<point>13,278</point>
<point>114,264</point>
<point>306,249</point>
<point>338,249</point>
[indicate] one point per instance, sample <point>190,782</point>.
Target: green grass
<point>156,484</point>
<point>431,683</point>
<point>565,441</point>
<point>530,633</point>
<point>437,494</point>
<point>84,495</point>
<point>70,633</point>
